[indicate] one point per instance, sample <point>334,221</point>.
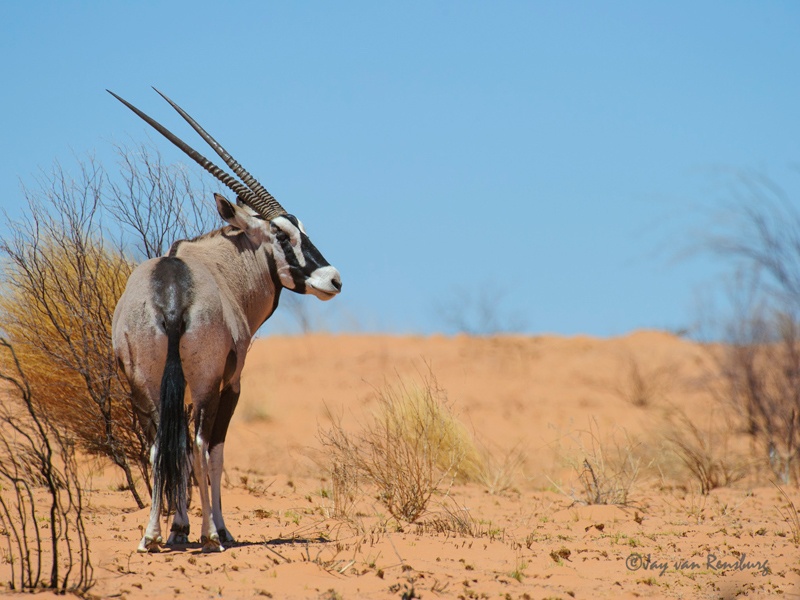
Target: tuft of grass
<point>411,449</point>
<point>499,470</point>
<point>704,453</point>
<point>422,408</point>
<point>519,570</point>
<point>344,480</point>
<point>453,520</point>
<point>607,468</point>
<point>420,411</point>
<point>789,514</point>
<point>642,387</point>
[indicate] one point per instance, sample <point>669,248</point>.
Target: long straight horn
<point>244,193</point>
<point>275,207</point>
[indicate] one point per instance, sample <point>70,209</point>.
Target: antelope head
<point>300,266</point>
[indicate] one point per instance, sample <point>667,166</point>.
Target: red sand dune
<point>547,399</point>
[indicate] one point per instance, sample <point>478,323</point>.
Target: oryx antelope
<point>186,320</point>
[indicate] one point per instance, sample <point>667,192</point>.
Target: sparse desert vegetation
<point>41,497</point>
<point>310,524</point>
<point>412,448</point>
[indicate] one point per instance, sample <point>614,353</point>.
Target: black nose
<point>337,283</point>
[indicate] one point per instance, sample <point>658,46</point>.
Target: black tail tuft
<point>171,461</point>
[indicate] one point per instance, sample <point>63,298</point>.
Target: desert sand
<point>542,405</point>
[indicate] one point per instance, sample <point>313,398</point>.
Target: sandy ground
<point>543,403</point>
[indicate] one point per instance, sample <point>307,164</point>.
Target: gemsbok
<point>186,320</point>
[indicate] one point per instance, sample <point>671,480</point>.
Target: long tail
<point>171,461</point>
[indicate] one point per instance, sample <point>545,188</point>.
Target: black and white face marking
<point>301,267</point>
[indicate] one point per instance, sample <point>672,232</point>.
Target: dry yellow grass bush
<point>419,413</point>
<point>60,285</point>
<point>408,450</point>
<point>411,448</point>
<point>56,309</point>
<point>421,408</point>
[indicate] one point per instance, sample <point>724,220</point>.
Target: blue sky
<point>555,156</point>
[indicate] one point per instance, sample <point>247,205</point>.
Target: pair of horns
<point>253,194</point>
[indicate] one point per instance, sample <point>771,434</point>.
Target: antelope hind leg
<point>152,540</point>
<point>209,537</point>
<point>179,532</point>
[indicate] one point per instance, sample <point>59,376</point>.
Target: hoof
<point>211,544</point>
<point>225,537</point>
<point>150,544</point>
<point>177,539</point>
<point>178,536</point>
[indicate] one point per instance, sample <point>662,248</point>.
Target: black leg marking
<point>230,366</point>
<point>184,529</point>
<point>178,535</point>
<point>225,537</point>
<point>146,414</point>
<point>227,404</point>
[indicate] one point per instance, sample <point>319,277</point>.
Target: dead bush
<point>790,515</point>
<point>40,495</point>
<point>478,311</point>
<point>760,371</point>
<point>642,386</point>
<point>411,448</point>
<point>759,367</point>
<point>155,202</point>
<point>61,284</point>
<point>704,453</point>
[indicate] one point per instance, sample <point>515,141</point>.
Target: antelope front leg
<point>215,467</point>
<point>227,404</point>
<point>208,531</point>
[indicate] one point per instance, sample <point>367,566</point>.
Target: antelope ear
<point>225,208</point>
<point>238,217</point>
